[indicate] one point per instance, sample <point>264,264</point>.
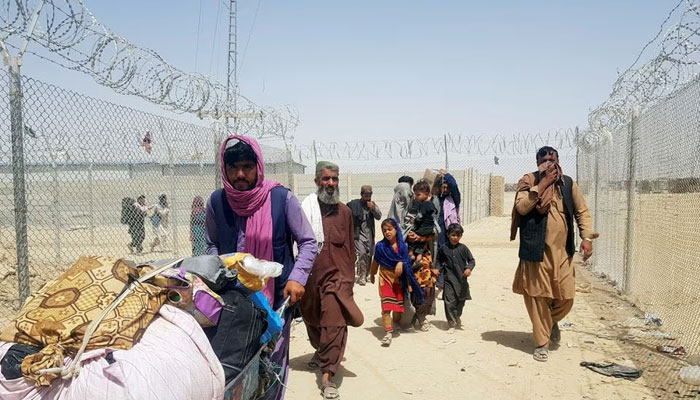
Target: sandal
<point>314,363</point>
<point>330,391</point>
<point>386,340</point>
<point>555,337</point>
<point>541,354</point>
<point>425,326</point>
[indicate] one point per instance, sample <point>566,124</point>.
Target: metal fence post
<point>578,175</point>
<point>218,141</point>
<point>489,195</point>
<point>173,208</point>
<point>466,190</point>
<point>348,194</point>
<point>91,205</point>
<point>55,212</point>
<point>290,170</point>
<point>596,178</point>
<point>631,191</point>
<point>18,178</point>
<point>469,185</point>
<point>447,162</point>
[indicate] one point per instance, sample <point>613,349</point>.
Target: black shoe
<point>555,337</point>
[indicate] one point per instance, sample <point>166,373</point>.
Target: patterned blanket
<point>57,316</point>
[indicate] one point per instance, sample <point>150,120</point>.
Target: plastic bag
<point>252,272</point>
<point>691,375</point>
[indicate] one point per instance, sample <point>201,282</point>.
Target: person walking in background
<point>450,199</point>
<point>402,202</point>
<point>364,212</point>
<point>447,199</point>
<point>456,263</point>
<point>420,243</point>
<point>197,227</point>
<point>160,220</point>
<point>546,204</point>
<point>134,214</point>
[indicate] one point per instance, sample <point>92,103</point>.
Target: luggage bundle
<point>102,311</point>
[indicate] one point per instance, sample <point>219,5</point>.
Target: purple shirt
<point>299,228</point>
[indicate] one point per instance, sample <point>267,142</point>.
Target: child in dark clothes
<point>423,212</point>
<point>456,263</point>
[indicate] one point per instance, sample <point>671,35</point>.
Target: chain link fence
<point>83,157</point>
<point>643,186</point>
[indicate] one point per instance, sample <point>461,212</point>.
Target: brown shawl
<point>545,197</point>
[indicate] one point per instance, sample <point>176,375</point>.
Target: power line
<point>213,44</point>
<point>245,50</point>
<point>199,23</point>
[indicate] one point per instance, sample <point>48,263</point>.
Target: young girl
<point>396,278</point>
<point>160,215</point>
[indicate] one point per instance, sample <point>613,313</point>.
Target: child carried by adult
<point>420,244</point>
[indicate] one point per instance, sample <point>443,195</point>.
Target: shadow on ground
<point>377,330</point>
<point>442,325</point>
<point>517,340</point>
<point>301,364</point>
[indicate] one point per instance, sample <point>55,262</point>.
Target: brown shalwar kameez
<point>548,286</point>
<point>328,306</point>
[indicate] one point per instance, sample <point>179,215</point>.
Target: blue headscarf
<point>385,256</point>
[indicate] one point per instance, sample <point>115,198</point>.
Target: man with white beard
<point>328,306</point>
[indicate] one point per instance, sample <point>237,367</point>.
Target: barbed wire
<point>76,40</point>
<point>640,87</point>
<point>437,145</point>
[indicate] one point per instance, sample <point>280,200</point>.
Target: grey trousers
<point>362,265</point>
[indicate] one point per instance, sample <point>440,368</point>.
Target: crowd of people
<point>135,212</point>
<point>419,258</point>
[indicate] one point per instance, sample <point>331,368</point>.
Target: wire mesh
<point>82,157</point>
<point>72,37</point>
<point>645,187</point>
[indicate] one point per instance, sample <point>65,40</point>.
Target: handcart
<point>248,385</point>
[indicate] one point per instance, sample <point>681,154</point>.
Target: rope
<point>73,368</point>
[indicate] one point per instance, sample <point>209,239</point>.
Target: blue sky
<point>365,70</point>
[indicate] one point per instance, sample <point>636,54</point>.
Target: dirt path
<point>491,357</point>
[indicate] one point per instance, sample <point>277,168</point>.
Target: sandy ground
<point>491,356</point>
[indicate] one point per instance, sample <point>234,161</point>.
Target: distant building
<point>277,161</point>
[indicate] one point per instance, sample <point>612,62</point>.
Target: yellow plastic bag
<point>252,273</point>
